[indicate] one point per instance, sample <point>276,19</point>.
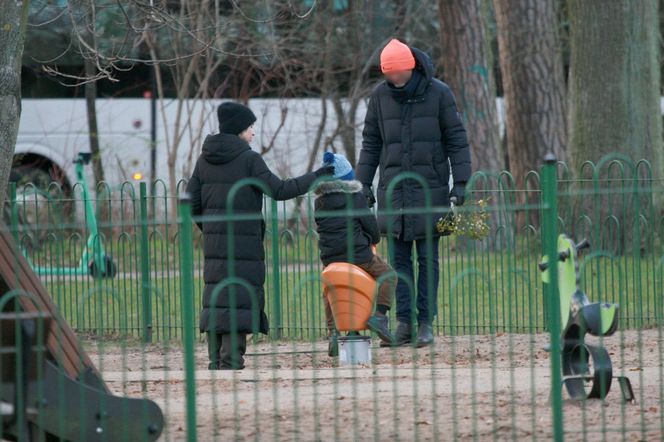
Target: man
<point>412,126</point>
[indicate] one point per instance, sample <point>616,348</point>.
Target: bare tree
<point>202,49</point>
<point>83,18</point>
<point>195,60</point>
<point>333,56</point>
<point>14,18</point>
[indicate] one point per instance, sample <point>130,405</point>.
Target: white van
<point>53,131</point>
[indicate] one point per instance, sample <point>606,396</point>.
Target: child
<point>336,196</point>
<point>226,159</point>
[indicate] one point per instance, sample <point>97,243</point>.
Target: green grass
<point>479,293</point>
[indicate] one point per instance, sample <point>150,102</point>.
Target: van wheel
<point>37,208</point>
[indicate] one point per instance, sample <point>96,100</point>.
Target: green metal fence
<point>489,374</point>
<point>139,230</point>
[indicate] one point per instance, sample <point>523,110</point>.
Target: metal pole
<point>187,302</point>
<point>146,301</point>
<point>276,280</point>
<point>550,240</point>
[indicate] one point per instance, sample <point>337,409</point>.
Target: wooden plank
<point>62,343</point>
<point>13,278</point>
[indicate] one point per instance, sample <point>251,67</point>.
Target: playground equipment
<point>350,292</point>
<point>56,391</point>
<point>587,370</point>
<point>94,260</point>
<point>354,350</point>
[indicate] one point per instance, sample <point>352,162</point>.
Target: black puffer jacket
<point>227,159</point>
<point>333,231</point>
<point>418,135</point>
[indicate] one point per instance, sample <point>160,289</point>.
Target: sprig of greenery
<point>472,223</point>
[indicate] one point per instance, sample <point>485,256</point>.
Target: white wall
<point>57,128</point>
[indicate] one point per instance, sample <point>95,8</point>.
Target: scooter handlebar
<point>562,256</point>
<point>584,244</point>
<point>83,158</point>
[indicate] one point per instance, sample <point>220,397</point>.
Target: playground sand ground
<point>483,387</point>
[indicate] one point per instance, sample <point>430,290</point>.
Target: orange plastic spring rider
<point>351,292</point>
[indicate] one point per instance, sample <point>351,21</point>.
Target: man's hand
<point>368,194</point>
<point>458,192</point>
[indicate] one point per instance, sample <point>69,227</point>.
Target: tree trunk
<point>466,62</point>
<point>86,12</point>
<point>91,109</point>
<point>346,127</point>
<point>615,81</point>
<point>532,73</point>
<point>83,16</point>
<point>104,201</point>
<point>467,69</point>
<point>615,109</point>
<point>13,19</point>
<point>531,67</point>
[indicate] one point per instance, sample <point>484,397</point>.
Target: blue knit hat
<point>342,168</point>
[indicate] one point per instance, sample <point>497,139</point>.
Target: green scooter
<point>94,260</point>
<point>587,369</point>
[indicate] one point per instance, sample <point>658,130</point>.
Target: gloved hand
<point>459,193</point>
<point>368,194</point>
<point>326,170</point>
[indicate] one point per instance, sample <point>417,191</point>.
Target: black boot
<point>232,357</point>
<point>380,324</point>
<point>333,344</point>
<point>403,335</point>
<point>424,335</point>
<point>214,350</point>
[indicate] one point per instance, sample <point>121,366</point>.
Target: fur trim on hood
<point>338,186</point>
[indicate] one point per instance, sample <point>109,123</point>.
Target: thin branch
<point>284,113</point>
<point>83,79</point>
<point>49,21</point>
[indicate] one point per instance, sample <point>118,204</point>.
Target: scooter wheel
<point>107,270</point>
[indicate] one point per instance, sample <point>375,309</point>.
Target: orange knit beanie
<point>396,56</point>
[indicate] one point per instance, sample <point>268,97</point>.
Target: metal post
<point>187,303</point>
<point>550,240</point>
<point>146,301</point>
<point>276,280</point>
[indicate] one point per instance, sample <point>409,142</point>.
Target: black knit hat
<point>234,118</point>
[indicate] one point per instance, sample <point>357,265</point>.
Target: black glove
<point>326,170</point>
<point>368,194</point>
<point>458,192</point>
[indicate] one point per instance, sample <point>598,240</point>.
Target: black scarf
<point>405,93</point>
